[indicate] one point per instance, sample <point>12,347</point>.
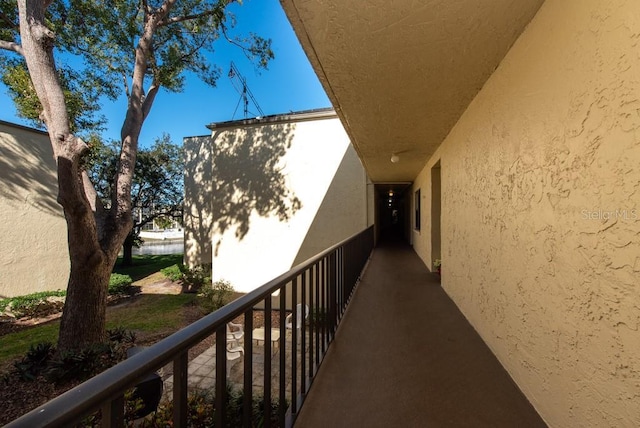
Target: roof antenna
<point>240,84</point>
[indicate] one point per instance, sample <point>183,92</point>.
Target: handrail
<point>323,274</point>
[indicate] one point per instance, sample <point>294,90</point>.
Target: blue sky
<point>288,85</point>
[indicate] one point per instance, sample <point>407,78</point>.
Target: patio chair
<point>233,353</point>
<point>235,332</point>
<point>302,312</point>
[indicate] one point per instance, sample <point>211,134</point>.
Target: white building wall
<point>541,213</point>
<point>34,255</point>
<point>320,168</point>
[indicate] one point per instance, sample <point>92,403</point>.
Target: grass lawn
<point>15,345</point>
<point>144,266</point>
<point>148,314</point>
<point>145,315</point>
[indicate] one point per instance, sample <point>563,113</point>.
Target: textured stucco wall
<point>541,213</point>
<point>34,255</point>
<point>320,168</point>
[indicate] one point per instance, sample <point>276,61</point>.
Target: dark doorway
<point>393,212</point>
<point>436,204</point>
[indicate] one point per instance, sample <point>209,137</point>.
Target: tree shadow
<point>27,169</point>
<point>228,177</point>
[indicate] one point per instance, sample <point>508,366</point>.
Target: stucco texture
<point>541,213</point>
<point>247,245</point>
<point>34,255</point>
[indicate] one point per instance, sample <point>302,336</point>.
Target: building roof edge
<point>23,127</point>
<point>300,116</point>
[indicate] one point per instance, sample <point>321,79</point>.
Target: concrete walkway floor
<point>405,356</point>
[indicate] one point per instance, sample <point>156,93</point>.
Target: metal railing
<point>324,283</point>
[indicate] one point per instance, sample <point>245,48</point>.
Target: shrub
<point>173,272</point>
<point>214,296</point>
<point>35,361</point>
<point>119,284</point>
<point>318,317</point>
<point>36,304</point>
<point>194,279</point>
<point>81,364</point>
<point>76,365</point>
<point>201,411</point>
<point>121,335</point>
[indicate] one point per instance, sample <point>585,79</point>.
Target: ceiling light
<point>395,158</point>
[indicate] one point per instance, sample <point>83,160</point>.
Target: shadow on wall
<point>342,211</point>
<point>28,170</point>
<point>228,177</point>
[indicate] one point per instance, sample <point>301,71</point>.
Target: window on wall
<point>417,210</point>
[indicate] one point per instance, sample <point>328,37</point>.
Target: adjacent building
<point>262,195</point>
<point>34,254</point>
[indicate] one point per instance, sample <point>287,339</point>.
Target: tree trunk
<point>127,250</point>
<point>84,316</point>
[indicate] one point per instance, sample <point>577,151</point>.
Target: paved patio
<point>202,372</point>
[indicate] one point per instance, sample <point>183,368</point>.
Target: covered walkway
<point>404,356</point>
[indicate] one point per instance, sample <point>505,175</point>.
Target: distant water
<point>152,247</point>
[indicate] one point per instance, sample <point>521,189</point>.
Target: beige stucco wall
<point>320,167</point>
<point>34,255</point>
<point>541,213</point>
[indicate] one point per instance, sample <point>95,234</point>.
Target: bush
<point>35,361</point>
<point>119,284</point>
<point>201,411</point>
<point>81,364</point>
<point>36,304</point>
<point>214,296</point>
<point>173,272</point>
<point>194,279</point>
<point>74,365</point>
<point>121,335</point>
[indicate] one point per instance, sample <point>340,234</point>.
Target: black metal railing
<point>323,285</point>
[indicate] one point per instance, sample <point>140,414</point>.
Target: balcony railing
<point>324,284</point>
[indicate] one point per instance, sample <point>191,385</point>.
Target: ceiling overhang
<point>401,73</point>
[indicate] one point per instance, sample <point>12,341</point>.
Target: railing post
<point>113,413</point>
<point>221,376</point>
<point>282,398</point>
<point>303,342</point>
<point>333,291</point>
<point>294,342</point>
<point>247,405</point>
<point>180,410</point>
<point>267,362</point>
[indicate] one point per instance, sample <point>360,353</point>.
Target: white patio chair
<point>302,312</point>
<point>233,353</point>
<point>235,332</point>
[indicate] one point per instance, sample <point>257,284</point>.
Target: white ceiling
<point>400,73</point>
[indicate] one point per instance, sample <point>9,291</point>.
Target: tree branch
<point>12,24</point>
<point>11,46</point>
<point>169,211</point>
<point>245,49</point>
<point>126,85</point>
<point>149,98</point>
<point>184,18</point>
